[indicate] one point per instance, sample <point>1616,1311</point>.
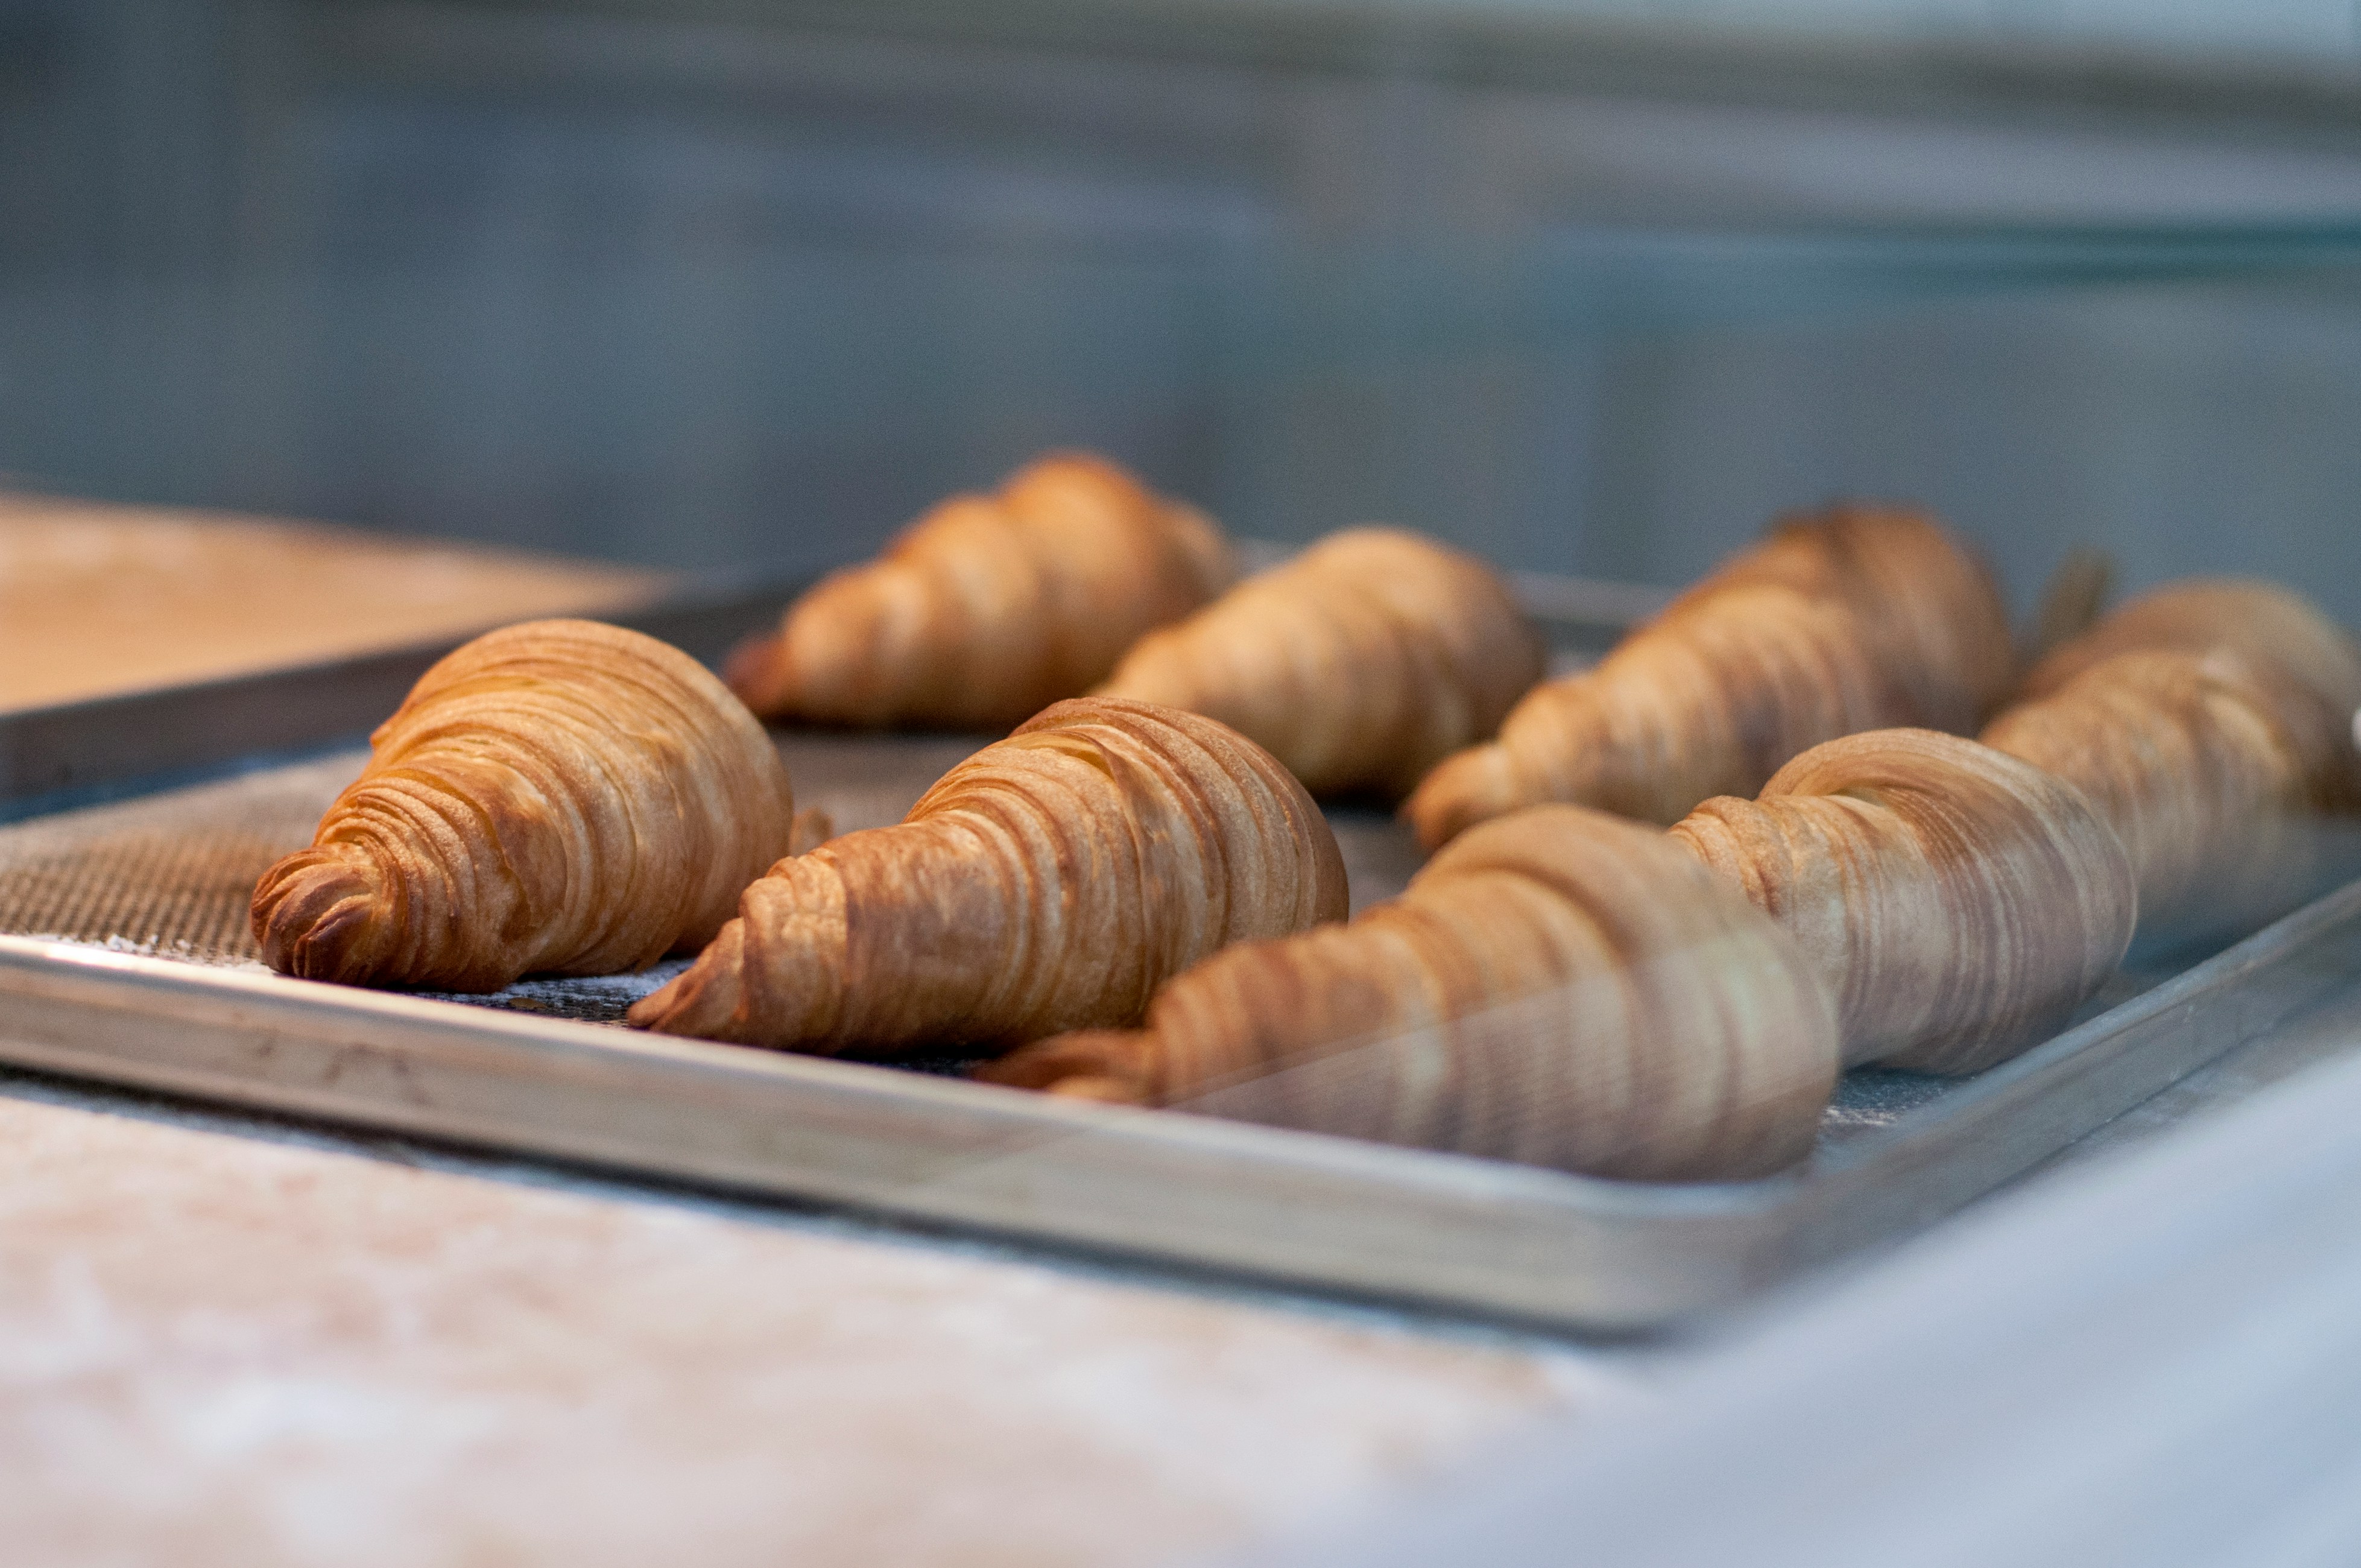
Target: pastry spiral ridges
<point>1956,901</point>
<point>1558,987</point>
<point>1052,881</point>
<point>990,607</point>
<point>1359,664</point>
<point>2208,721</point>
<point>1855,619</point>
<point>557,796</point>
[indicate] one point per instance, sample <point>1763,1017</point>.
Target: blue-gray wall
<point>720,292</point>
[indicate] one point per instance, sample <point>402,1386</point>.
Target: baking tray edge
<point>1332,1214</point>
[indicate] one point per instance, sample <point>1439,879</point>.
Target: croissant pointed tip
<point>1464,789</point>
<point>1110,1066</point>
<point>314,914</point>
<point>703,1001</point>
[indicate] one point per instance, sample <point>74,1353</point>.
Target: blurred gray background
<point>1593,287</point>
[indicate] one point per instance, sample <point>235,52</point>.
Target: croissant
<point>1050,881</point>
<point>2207,721</point>
<point>990,607</point>
<point>1558,987</point>
<point>555,796</point>
<point>1359,664</point>
<point>1856,620</point>
<point>2309,666</point>
<point>1956,901</point>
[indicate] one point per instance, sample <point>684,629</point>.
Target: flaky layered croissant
<point>1956,901</point>
<point>1558,987</point>
<point>990,607</point>
<point>1360,664</point>
<point>557,796</point>
<point>1052,881</point>
<point>1855,619</point>
<point>2208,721</point>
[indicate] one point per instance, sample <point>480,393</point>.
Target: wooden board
<point>97,600</point>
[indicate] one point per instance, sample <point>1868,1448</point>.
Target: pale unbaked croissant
<point>1855,619</point>
<point>557,796</point>
<point>990,607</point>
<point>1360,664</point>
<point>1956,901</point>
<point>1052,881</point>
<point>1559,987</point>
<point>2207,721</point>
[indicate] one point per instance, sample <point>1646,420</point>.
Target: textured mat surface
<point>172,875</point>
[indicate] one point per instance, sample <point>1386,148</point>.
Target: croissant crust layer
<point>1558,987</point>
<point>990,607</point>
<point>1957,901</point>
<point>1359,664</point>
<point>2209,720</point>
<point>557,796</point>
<point>1052,882</point>
<point>2303,664</point>
<point>1856,620</point>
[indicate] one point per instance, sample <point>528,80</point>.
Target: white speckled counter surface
<point>224,1340</point>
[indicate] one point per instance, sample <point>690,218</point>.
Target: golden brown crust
<point>1856,620</point>
<point>1052,881</point>
<point>1558,987</point>
<point>1359,664</point>
<point>1958,901</point>
<point>2207,721</point>
<point>990,607</point>
<point>557,796</point>
<point>2275,639</point>
<point>2187,756</point>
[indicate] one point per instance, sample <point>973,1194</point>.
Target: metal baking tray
<point>126,967</point>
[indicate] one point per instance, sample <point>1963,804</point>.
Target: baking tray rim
<point>1611,1254</point>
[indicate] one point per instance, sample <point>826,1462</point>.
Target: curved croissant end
<point>1558,987</point>
<point>1930,602</point>
<point>2303,662</point>
<point>2206,720</point>
<point>1052,881</point>
<point>1359,664</point>
<point>990,607</point>
<point>557,796</point>
<point>1855,619</point>
<point>1955,900</point>
<point>2193,762</point>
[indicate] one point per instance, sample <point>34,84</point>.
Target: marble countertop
<point>231,1340</point>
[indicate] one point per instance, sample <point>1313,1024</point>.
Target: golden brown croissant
<point>1856,620</point>
<point>1052,881</point>
<point>555,796</point>
<point>2206,720</point>
<point>2305,661</point>
<point>1360,665</point>
<point>990,607</point>
<point>1956,901</point>
<point>1559,987</point>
